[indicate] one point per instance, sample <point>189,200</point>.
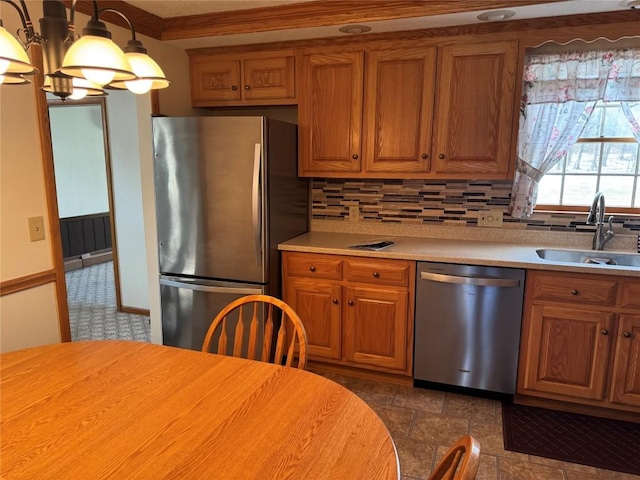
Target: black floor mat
<point>598,442</point>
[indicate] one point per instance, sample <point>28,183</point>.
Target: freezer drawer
<point>468,321</point>
<point>189,306</point>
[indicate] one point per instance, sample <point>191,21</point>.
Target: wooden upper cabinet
<point>398,110</point>
<point>330,113</point>
<point>266,78</point>
<point>474,108</point>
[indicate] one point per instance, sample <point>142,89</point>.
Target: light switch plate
<point>491,218</point>
<point>36,228</point>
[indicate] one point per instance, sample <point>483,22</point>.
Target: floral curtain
<point>558,96</point>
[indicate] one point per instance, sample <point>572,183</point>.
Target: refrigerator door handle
<point>209,289</point>
<point>255,201</point>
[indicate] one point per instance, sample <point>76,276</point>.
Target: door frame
<point>100,101</point>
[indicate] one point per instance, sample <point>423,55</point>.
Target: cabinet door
<point>375,327</point>
<point>330,114</point>
<point>268,78</point>
<point>318,306</point>
<point>398,110</point>
<point>213,81</point>
<point>625,387</point>
<point>566,351</point>
<point>474,108</point>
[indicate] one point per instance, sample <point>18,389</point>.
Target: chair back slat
<point>252,349</point>
<point>289,331</point>
<point>268,337</point>
<point>280,343</point>
<point>238,335</point>
<point>222,342</point>
<point>460,462</point>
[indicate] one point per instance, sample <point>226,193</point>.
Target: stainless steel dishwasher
<point>467,325</point>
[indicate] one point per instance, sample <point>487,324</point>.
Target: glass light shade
<point>13,58</point>
<point>13,79</point>
<point>149,74</point>
<point>97,59</point>
<point>80,84</point>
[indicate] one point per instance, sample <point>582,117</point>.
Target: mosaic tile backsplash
<point>433,202</point>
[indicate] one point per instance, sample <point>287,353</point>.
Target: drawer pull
<point>425,156</point>
<point>574,292</point>
<point>234,88</point>
<point>350,303</point>
<point>354,156</point>
<point>376,274</point>
<point>247,87</point>
<point>626,334</point>
<point>604,331</point>
<point>312,268</point>
<point>335,301</point>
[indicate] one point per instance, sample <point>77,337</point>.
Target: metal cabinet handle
<point>234,87</point>
<point>350,302</point>
<point>335,301</point>
<point>424,155</point>
<point>626,334</point>
<point>481,281</point>
<point>312,268</point>
<point>574,292</point>
<point>441,156</point>
<point>604,331</point>
<point>247,87</point>
<point>354,156</point>
<point>376,274</point>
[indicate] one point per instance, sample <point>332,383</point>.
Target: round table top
<point>116,409</point>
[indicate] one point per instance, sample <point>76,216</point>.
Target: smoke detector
<point>497,15</point>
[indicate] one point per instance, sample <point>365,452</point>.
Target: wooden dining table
<point>128,410</point>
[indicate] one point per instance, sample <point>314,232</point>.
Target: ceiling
<point>210,23</point>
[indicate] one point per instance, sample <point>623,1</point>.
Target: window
<point>605,158</point>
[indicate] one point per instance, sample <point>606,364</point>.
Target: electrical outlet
<point>36,228</point>
<point>491,218</point>
<point>354,213</point>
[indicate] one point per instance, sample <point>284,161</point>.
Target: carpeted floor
<point>571,437</point>
<point>92,307</point>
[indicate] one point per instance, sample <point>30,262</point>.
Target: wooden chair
<point>283,333</point>
<point>460,462</point>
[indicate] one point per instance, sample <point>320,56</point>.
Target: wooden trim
<point>610,411</point>
<point>135,310</point>
<point>155,102</point>
<point>144,22</point>
<point>359,372</point>
<point>112,204</point>
<point>48,171</point>
<point>28,281</point>
<point>610,25</point>
<point>320,13</point>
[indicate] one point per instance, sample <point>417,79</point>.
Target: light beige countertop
<point>471,252</point>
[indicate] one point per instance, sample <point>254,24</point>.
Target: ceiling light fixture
<point>70,61</point>
<point>355,29</point>
<point>496,15</point>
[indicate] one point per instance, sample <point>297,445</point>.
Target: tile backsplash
<point>437,202</point>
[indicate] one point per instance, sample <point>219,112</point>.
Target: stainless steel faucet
<point>596,217</point>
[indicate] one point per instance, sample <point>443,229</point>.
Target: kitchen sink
<point>590,256</point>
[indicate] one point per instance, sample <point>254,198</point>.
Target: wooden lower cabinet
<point>356,311</point>
<point>578,351</point>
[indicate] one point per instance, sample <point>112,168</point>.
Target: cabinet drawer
<point>313,265</point>
<point>630,297</point>
<point>565,288</point>
<point>375,271</point>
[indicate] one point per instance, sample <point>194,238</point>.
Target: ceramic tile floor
<point>423,423</point>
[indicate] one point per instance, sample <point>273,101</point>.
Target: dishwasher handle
<point>479,281</point>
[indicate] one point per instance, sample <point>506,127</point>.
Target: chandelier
<point>74,65</point>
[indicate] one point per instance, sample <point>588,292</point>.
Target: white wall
<point>30,317</point>
<point>79,159</point>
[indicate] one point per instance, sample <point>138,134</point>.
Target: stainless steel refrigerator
<point>227,193</point>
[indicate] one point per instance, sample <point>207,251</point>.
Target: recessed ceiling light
<point>496,15</point>
<point>355,29</point>
<point>630,4</point>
